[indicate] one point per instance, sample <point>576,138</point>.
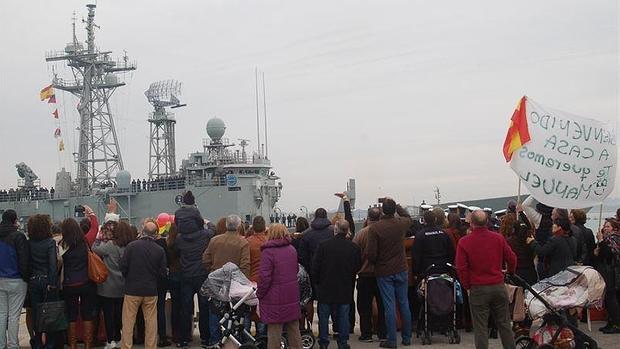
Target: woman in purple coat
<point>278,290</point>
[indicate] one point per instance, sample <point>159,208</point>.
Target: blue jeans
<point>191,286</point>
<point>342,319</point>
<point>394,288</point>
<point>214,328</point>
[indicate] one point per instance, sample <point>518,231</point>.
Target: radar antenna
<point>243,143</point>
<point>162,158</point>
<point>95,80</point>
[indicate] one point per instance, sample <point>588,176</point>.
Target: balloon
<point>162,219</point>
<point>164,228</point>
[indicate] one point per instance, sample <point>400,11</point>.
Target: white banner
<point>570,161</point>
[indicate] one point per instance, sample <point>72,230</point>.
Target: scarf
<point>613,241</point>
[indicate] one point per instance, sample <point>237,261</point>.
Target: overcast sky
<point>403,96</point>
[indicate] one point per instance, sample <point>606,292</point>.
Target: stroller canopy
<point>576,286</point>
<point>228,284</point>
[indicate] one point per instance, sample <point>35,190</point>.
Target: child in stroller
<point>552,298</point>
<point>232,295</point>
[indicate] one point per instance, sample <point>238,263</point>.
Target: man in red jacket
<point>480,257</point>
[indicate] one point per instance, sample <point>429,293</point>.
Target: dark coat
<point>75,265</point>
<point>14,253</point>
<point>432,246</point>
<point>588,244</point>
<point>143,264</point>
<point>558,252</point>
<point>191,247</point>
<point>188,220</point>
<point>278,290</point>
<point>335,266</point>
<point>321,229</point>
<point>44,260</point>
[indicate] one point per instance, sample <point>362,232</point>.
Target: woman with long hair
<point>607,254</point>
<point>79,292</point>
<point>109,245</point>
<point>43,284</point>
<point>278,290</point>
<point>175,279</point>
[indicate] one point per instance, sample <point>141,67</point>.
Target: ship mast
<point>162,156</point>
<point>95,80</point>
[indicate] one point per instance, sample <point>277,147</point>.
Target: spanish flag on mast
<point>47,92</point>
<point>518,133</point>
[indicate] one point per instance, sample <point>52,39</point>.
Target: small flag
<point>518,133</point>
<point>47,92</point>
<point>61,146</point>
<point>57,132</point>
<point>52,99</point>
<point>55,113</point>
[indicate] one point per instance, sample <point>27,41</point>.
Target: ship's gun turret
<point>25,172</point>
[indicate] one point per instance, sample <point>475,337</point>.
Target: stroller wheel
<point>283,343</point>
<point>590,345</point>
<point>307,341</point>
<point>524,342</point>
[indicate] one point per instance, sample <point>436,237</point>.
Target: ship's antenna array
<point>96,79</point>
<point>263,148</point>
<point>162,153</point>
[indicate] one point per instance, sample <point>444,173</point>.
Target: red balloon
<point>163,219</point>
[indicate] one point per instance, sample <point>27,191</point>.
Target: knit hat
<point>188,198</point>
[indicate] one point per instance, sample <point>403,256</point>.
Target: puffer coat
<point>278,290</point>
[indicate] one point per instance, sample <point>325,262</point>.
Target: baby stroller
<point>551,298</point>
<point>232,295</point>
<point>438,289</point>
<point>305,293</point>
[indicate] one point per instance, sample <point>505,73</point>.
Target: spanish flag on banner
<point>518,133</point>
<point>47,92</point>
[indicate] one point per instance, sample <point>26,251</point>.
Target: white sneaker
<point>115,345</point>
<point>108,346</point>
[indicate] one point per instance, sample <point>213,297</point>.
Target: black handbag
<point>51,317</point>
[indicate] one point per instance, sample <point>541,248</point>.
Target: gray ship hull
<point>212,201</point>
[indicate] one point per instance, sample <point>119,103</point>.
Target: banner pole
<point>519,192</point>
<point>600,218</point>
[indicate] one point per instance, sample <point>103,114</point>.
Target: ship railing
<point>24,195</point>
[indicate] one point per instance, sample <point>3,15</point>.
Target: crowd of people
<point>385,260</point>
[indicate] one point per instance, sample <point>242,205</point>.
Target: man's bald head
<point>479,218</point>
<point>150,228</point>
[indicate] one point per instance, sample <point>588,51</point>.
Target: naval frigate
<point>224,178</point>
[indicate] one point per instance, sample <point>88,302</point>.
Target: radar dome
<point>123,180</point>
<point>216,128</point>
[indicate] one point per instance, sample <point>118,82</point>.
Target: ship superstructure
<point>224,177</point>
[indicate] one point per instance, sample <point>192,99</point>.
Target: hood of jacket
<point>276,243</point>
<point>6,229</point>
<point>320,223</point>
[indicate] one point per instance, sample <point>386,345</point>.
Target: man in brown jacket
<point>224,248</point>
<point>228,247</point>
<point>367,289</point>
<point>386,253</point>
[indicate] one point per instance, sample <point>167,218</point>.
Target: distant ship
<point>224,179</point>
